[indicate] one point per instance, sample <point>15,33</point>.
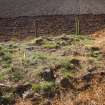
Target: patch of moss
<point>43,86</point>
<point>70,64</point>
<point>50,45</point>
<point>36,58</point>
<point>66,73</point>
<point>16,73</point>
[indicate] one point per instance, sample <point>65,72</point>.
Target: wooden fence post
<point>77,25</point>
<point>36,28</point>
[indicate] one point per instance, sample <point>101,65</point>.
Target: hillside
<point>60,70</point>
<point>52,52</point>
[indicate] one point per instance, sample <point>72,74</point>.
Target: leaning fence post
<point>36,28</point>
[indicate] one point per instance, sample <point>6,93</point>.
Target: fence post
<point>36,28</point>
<point>77,25</point>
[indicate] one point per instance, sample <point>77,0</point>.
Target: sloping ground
<point>93,95</point>
<point>99,34</point>
<point>62,70</point>
<point>100,39</point>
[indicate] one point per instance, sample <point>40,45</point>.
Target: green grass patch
<point>66,73</point>
<point>43,86</point>
<point>50,45</point>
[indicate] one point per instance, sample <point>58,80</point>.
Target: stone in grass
<point>92,69</point>
<point>20,89</point>
<point>48,75</point>
<point>75,62</point>
<point>28,94</point>
<point>30,48</point>
<point>88,77</point>
<point>64,37</point>
<point>39,41</point>
<point>95,48</point>
<point>66,83</point>
<point>36,99</point>
<point>84,82</point>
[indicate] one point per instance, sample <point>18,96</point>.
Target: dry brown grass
<point>93,96</point>
<point>22,102</point>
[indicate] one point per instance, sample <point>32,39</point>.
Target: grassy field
<point>51,67</point>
